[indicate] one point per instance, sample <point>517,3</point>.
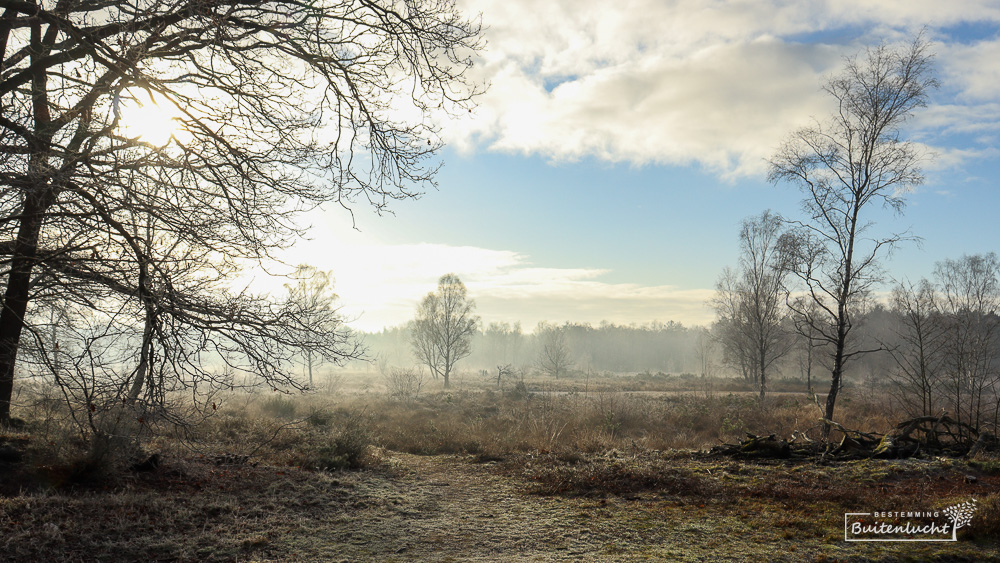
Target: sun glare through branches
<point>154,121</point>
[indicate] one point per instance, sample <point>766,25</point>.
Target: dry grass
<point>611,475</point>
<point>328,431</point>
<point>264,473</point>
<point>187,511</point>
<point>494,424</point>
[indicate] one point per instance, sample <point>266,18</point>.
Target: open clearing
<point>464,508</point>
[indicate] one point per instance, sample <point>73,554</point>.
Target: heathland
<point>607,467</point>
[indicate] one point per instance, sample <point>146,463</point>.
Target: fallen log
<point>768,446</point>
<point>922,435</point>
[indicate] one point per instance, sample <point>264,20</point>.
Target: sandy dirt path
<point>445,508</point>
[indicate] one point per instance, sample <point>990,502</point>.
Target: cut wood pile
<point>917,437</point>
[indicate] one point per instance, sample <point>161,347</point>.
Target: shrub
<point>349,448</point>
<point>68,456</point>
<point>986,521</point>
<point>279,406</point>
<point>403,383</point>
<point>319,417</point>
<point>519,391</point>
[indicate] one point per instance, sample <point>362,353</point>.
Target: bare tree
<point>704,349</point>
<point>554,357</point>
<point>731,327</point>
<point>751,301</point>
<point>808,337</point>
<point>313,294</point>
<point>919,354</point>
<point>275,106</point>
<point>970,303</point>
<point>442,332</point>
<point>846,166</point>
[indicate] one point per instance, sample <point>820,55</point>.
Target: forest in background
<point>933,348</point>
<point>668,348</point>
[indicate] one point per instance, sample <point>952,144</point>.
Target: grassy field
<point>603,468</point>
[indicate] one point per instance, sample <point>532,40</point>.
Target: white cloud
<point>596,301</point>
<point>912,14</point>
<point>714,83</point>
<point>384,283</point>
<point>726,108</point>
<point>975,69</point>
<point>953,158</point>
<point>380,285</point>
<point>959,119</point>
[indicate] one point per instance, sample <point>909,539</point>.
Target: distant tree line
<point>570,349</point>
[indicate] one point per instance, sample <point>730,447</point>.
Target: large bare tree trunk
<point>145,356</point>
<point>38,196</point>
<point>15,300</point>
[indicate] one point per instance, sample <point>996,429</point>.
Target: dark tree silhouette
<point>278,106</point>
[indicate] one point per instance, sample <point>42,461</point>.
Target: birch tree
<point>443,329</point>
<point>750,302</point>
<point>313,294</point>
<point>848,166</point>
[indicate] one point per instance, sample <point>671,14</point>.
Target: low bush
<point>347,448</point>
<point>319,417</point>
<point>403,383</point>
<point>986,520</point>
<point>63,455</point>
<point>280,406</point>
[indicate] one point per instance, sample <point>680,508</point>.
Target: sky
<point>604,174</point>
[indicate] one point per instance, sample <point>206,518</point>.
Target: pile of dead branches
<point>920,436</point>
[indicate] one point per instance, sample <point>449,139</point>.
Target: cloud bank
<point>717,84</point>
